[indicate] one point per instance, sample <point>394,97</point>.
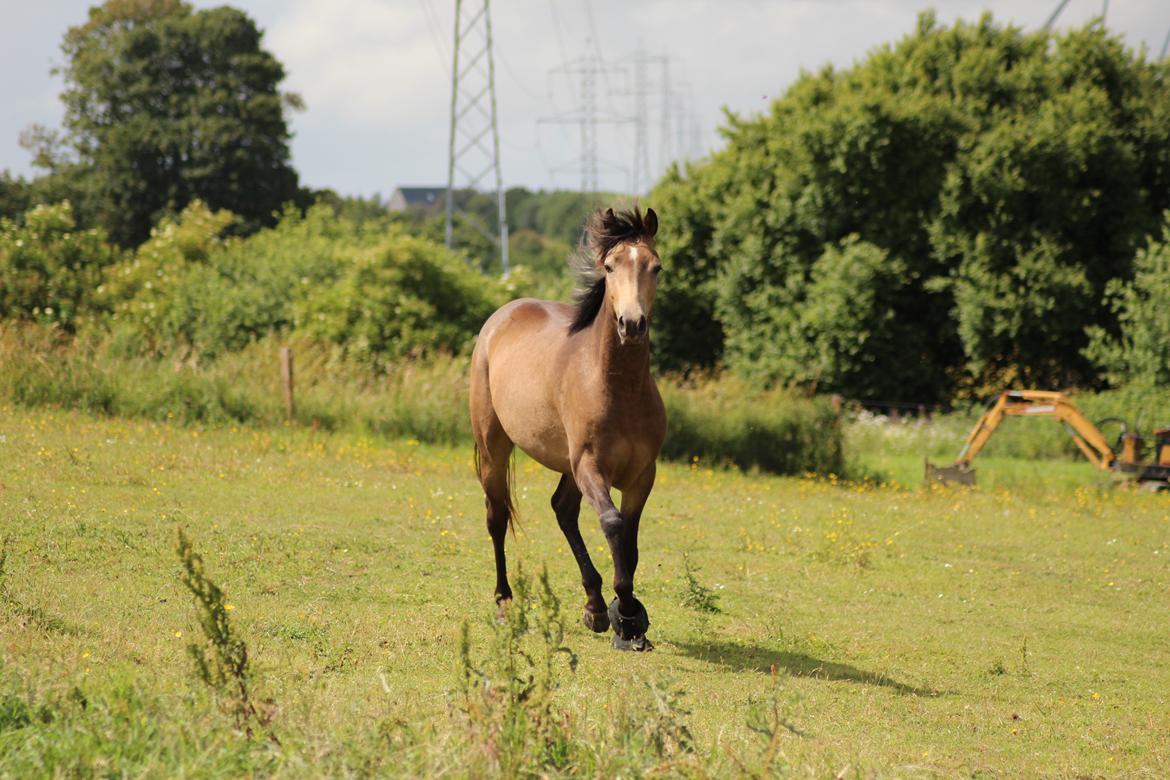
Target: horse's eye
<point>608,268</point>
<point>655,270</point>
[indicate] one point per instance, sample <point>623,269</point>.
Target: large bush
<point>1006,176</point>
<point>49,269</point>
<point>405,297</point>
<point>192,289</point>
<point>377,293</point>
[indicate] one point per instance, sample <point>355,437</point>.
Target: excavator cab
<point>1162,447</point>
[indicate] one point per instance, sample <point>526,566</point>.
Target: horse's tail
<point>513,512</point>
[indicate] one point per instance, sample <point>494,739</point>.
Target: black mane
<point>604,230</point>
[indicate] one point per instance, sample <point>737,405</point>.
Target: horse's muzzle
<point>631,329</point>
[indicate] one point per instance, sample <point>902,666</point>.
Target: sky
<point>375,75</point>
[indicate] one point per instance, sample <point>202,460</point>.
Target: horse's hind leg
<point>566,502</point>
<point>493,475</point>
<point>494,452</point>
<point>493,449</point>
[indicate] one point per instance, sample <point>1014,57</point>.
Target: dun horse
<point>571,386</point>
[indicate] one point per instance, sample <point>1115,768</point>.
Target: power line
<point>596,42</point>
<point>552,4</point>
<point>516,80</point>
<point>1052,19</point>
<point>434,28</point>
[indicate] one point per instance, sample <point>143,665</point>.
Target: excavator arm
<point>1025,403</point>
<point>1038,403</point>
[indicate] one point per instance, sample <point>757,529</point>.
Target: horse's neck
<point>624,367</point>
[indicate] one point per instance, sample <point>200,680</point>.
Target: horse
<point>570,385</point>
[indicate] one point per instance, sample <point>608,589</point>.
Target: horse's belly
<point>522,401</point>
<point>536,429</point>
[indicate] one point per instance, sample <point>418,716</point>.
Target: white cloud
<point>375,73</point>
<point>360,63</point>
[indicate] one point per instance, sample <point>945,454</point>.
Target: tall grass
<point>715,420</point>
<point>727,420</point>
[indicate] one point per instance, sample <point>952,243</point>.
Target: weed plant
<point>695,595</point>
<point>221,661</point>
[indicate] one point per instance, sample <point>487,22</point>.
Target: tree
<point>14,196</point>
<point>687,332</point>
<point>165,105</point>
<point>1004,177</point>
<point>1141,353</point>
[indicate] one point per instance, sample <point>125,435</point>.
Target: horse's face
<point>631,280</point>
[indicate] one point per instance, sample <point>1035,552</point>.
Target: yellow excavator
<point>1126,459</point>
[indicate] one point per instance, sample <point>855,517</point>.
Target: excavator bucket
<point>958,474</point>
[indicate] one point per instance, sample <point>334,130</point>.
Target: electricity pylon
<point>470,153</point>
<point>587,116</point>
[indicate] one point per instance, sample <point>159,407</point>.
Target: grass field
<point>1016,630</point>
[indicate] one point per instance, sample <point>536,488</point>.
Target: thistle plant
<point>695,595</point>
<point>221,661</point>
<point>507,699</point>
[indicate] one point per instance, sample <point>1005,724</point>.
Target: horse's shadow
<point>748,658</point>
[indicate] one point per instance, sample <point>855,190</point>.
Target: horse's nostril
<point>642,324</point>
<point>621,323</point>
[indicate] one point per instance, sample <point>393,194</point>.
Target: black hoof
<point>630,630</point>
<point>597,622</point>
<point>639,644</point>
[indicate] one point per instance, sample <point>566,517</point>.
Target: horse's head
<point>631,265</point>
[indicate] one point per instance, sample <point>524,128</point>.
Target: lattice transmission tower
<point>473,154</point>
<point>587,115</point>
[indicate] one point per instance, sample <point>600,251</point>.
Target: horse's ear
<point>651,222</point>
<point>609,214</point>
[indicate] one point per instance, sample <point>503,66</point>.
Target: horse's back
<point>524,318</point>
<point>516,366</point>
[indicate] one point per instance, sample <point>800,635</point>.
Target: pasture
<point>881,629</point>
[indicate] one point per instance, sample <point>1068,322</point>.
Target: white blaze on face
<point>645,282</point>
<point>631,284</point>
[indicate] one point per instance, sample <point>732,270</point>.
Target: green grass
<point>1015,630</point>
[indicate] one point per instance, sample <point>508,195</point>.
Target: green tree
<point>1141,353</point>
<point>687,333</point>
<point>1006,176</point>
<point>14,196</point>
<point>165,105</point>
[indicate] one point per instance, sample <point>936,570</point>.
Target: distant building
<point>420,198</point>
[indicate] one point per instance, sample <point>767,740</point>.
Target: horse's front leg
<point>627,615</point>
<point>566,502</point>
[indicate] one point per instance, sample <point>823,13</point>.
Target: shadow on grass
<point>746,658</point>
